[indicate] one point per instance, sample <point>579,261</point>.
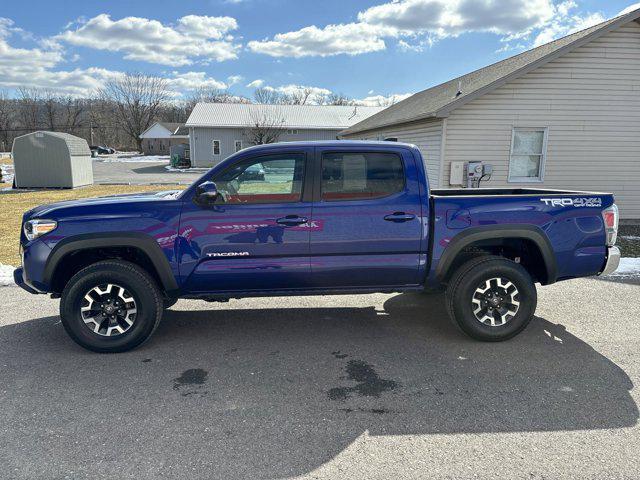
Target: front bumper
<point>18,278</point>
<point>613,261</point>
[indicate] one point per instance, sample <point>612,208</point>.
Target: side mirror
<point>207,193</point>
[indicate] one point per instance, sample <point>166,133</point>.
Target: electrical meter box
<point>457,173</point>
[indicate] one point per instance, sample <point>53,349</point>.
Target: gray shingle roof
<point>76,145</point>
<point>442,99</point>
<point>329,117</point>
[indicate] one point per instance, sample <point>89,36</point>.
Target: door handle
<point>292,220</point>
<point>399,217</point>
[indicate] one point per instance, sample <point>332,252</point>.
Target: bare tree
<point>267,96</point>
<point>335,99</point>
<point>138,100</point>
<point>6,120</point>
<point>266,126</point>
<point>300,96</point>
<point>29,108</point>
<point>73,113</point>
<point>212,95</point>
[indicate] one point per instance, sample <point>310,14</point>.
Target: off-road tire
<point>464,284</point>
<point>137,282</point>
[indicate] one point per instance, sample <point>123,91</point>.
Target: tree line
<point>118,113</point>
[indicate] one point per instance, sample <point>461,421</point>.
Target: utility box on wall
<point>457,174</point>
<point>51,160</point>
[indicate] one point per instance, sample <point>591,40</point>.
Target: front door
<point>367,210</point>
<point>256,236</point>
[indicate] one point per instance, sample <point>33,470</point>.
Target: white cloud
<point>39,67</point>
<point>256,83</point>
<point>382,100</point>
<point>630,9</point>
<point>192,38</point>
<point>181,82</point>
<point>565,25</point>
<point>350,39</point>
<point>417,24</point>
<point>234,79</point>
<point>452,17</point>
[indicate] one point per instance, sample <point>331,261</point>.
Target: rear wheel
<point>491,298</point>
<point>111,306</point>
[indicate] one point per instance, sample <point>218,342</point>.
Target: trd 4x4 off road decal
<point>573,202</point>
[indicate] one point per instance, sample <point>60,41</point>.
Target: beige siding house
<point>564,115</point>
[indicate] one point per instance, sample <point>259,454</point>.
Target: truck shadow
<point>271,393</point>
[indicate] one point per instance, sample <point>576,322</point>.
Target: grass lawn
<point>14,204</point>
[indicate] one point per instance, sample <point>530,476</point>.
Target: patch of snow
<point>134,159</point>
<point>169,168</point>
<point>7,173</point>
<point>6,275</point>
<point>630,237</point>
<point>629,267</point>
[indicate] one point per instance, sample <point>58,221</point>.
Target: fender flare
<point>499,232</point>
<point>143,242</point>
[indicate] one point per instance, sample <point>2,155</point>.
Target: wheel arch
<point>498,235</point>
<point>140,242</point>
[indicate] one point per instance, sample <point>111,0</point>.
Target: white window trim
<point>543,157</point>
<point>235,145</point>
<point>213,148</point>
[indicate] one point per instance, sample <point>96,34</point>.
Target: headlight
<point>36,228</point>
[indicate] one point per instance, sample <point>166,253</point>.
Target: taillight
<point>610,217</point>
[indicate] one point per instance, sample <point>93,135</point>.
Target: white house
<point>161,136</point>
<point>217,130</point>
<point>563,115</point>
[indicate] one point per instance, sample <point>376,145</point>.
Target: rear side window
<point>358,176</point>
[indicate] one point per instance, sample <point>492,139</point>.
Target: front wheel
<point>111,306</point>
<point>491,298</point>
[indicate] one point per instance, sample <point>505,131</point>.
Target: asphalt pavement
<point>141,173</point>
<point>348,387</point>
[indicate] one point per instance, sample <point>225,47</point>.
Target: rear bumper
<point>18,278</point>
<point>613,261</point>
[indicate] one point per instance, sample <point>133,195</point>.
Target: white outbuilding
<point>51,160</point>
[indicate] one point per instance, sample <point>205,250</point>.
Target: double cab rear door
<point>306,218</point>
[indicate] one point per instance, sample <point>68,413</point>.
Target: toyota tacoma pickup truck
<point>319,218</point>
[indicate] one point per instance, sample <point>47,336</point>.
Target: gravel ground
<point>629,240</point>
<point>350,387</point>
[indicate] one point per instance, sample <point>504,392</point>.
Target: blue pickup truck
<point>305,219</point>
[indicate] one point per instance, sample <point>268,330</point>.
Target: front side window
<point>216,147</point>
<point>267,179</point>
<point>357,176</point>
<point>528,152</point>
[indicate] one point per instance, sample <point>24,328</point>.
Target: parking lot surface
<point>141,173</point>
<point>349,387</point>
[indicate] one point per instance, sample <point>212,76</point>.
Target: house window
<point>238,145</point>
<point>292,132</point>
<point>528,154</point>
<point>216,147</point>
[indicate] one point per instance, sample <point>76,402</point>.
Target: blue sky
<point>364,49</point>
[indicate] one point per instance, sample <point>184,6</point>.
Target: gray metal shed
<point>51,160</point>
